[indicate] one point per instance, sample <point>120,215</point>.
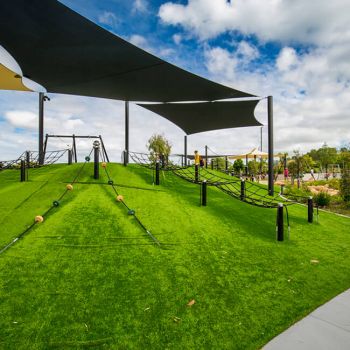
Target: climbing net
<point>252,193</point>
<point>9,164</point>
<point>32,159</point>
<point>69,187</point>
<point>172,162</point>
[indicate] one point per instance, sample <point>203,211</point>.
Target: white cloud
<point>247,51</point>
<point>22,119</point>
<point>221,63</point>
<point>139,40</point>
<point>311,101</point>
<point>177,38</point>
<point>140,6</point>
<point>287,59</point>
<point>108,18</point>
<point>283,20</point>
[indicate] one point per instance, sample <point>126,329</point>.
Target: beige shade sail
<point>254,153</point>
<point>10,80</point>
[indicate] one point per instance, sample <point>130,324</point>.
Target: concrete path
<point>327,328</point>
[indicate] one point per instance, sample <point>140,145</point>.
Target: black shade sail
<point>66,53</point>
<point>205,116</point>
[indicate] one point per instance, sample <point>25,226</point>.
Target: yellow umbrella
<point>10,80</point>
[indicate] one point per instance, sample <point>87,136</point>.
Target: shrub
<point>322,199</point>
<point>332,183</point>
<point>345,185</point>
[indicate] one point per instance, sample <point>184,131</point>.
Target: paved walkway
<point>327,328</point>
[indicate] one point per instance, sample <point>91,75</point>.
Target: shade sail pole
<point>270,143</point>
<point>185,149</point>
<point>206,156</point>
<point>41,128</point>
<point>126,152</point>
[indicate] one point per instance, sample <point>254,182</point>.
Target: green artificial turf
<point>90,277</point>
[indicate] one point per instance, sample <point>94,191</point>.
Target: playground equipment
<point>68,188</point>
<point>31,159</point>
<point>73,148</point>
<point>246,191</point>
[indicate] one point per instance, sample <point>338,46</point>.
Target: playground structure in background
<point>31,158</point>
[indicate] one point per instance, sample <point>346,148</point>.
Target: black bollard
<point>310,210</point>
<point>226,164</point>
<point>242,190</point>
<point>280,226</point>
<point>212,164</point>
<point>28,159</point>
<point>204,192</point>
<point>23,171</point>
<point>125,157</point>
<point>157,173</point>
<point>70,157</point>
<point>282,188</point>
<point>96,160</point>
<point>196,173</point>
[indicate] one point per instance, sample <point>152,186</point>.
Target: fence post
<point>206,157</point>
<point>196,173</point>
<point>96,160</point>
<point>23,170</point>
<point>310,210</point>
<point>242,190</point>
<point>204,192</point>
<point>157,173</point>
<point>70,158</point>
<point>125,157</point>
<point>28,158</point>
<point>280,225</point>
<point>212,164</point>
<point>226,164</point>
<point>282,188</point>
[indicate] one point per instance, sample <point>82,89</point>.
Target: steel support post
<point>270,144</point>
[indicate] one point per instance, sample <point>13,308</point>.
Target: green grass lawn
<point>90,277</point>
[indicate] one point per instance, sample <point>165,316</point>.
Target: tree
<point>253,167</point>
<point>344,158</point>
<point>157,145</point>
<point>238,166</point>
<point>345,185</point>
<point>324,155</point>
<point>220,162</point>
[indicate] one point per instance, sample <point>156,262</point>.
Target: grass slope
<point>89,276</point>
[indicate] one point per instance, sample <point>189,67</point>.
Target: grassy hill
<point>90,277</point>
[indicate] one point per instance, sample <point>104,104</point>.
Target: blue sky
<point>282,48</point>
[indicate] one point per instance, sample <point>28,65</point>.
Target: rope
<point>29,228</point>
<point>287,220</point>
<point>110,181</point>
<point>149,161</point>
<point>253,191</point>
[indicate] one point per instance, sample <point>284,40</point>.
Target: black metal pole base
<point>310,210</point>
<point>70,157</point>
<point>23,171</point>
<point>96,163</point>
<point>157,173</point>
<point>280,225</point>
<point>242,190</point>
<point>204,193</point>
<point>196,173</point>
